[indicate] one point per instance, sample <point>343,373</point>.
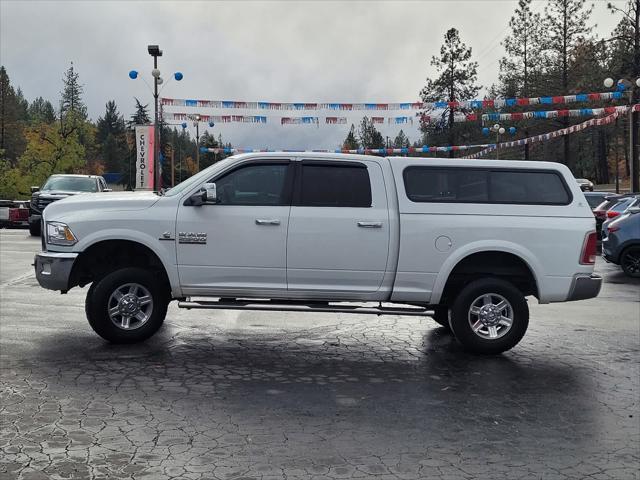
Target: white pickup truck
<point>463,241</point>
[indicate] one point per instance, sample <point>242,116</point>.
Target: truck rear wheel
<point>126,306</point>
<point>489,316</point>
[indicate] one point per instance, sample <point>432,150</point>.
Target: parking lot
<point>230,395</point>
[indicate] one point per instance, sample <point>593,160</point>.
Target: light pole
<point>498,130</point>
<point>155,52</point>
<point>184,127</point>
<point>196,123</point>
<point>634,166</point>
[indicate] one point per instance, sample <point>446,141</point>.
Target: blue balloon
<point>211,124</point>
<point>512,130</point>
<point>184,125</point>
<point>621,87</point>
<point>178,76</point>
<point>133,74</point>
<point>485,131</point>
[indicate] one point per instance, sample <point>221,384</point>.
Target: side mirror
<point>211,195</point>
<point>634,210</point>
<point>35,189</point>
<point>206,195</point>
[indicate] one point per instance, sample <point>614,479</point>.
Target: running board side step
<point>322,307</point>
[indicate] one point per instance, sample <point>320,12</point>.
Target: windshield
<point>622,205</point>
<point>199,177</point>
<point>71,184</point>
<point>594,200</point>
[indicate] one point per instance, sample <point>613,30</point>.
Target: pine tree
<point>368,135</point>
<point>12,141</point>
<point>625,51</point>
<point>626,64</point>
<point>351,142</point>
<point>401,140</point>
<point>521,68</point>
<point>141,115</point>
<point>72,108</point>
<point>111,140</point>
<point>41,111</point>
<point>566,26</point>
<point>456,80</point>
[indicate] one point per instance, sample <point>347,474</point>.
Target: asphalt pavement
<point>267,395</point>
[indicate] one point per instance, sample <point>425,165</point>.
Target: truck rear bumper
<point>53,269</point>
<point>585,286</point>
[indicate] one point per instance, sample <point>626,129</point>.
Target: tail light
<point>588,255</point>
<point>600,213</point>
<point>613,228</point>
<point>18,214</point>
<point>612,214</point>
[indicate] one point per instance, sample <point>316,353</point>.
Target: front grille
<point>43,202</point>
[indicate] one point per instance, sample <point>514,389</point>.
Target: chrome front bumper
<point>53,269</point>
<point>585,286</point>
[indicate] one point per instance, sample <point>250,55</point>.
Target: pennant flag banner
<point>582,112</point>
<point>558,133</point>
<point>299,121</point>
<point>283,120</point>
<point>496,103</point>
<point>218,118</point>
<point>469,117</point>
<point>362,151</point>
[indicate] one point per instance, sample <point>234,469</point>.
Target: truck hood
<point>106,201</point>
<point>56,193</point>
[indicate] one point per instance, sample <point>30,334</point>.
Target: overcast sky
<point>329,51</point>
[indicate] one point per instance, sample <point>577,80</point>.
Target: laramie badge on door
<point>192,237</point>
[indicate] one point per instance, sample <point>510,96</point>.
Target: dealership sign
<point>144,158</point>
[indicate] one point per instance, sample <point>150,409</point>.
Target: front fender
<point>164,250</point>
<point>484,246</point>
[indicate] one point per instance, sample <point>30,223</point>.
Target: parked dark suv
<point>621,242</point>
<point>57,187</point>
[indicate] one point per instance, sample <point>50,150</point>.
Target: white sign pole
<point>144,157</point>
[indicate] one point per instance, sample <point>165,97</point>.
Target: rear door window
<point>332,184</point>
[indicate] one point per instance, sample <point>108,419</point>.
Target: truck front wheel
<point>489,316</point>
<point>127,305</point>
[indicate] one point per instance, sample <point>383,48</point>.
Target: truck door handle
<point>262,221</point>
<point>370,224</point>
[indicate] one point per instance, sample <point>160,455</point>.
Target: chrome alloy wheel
<point>130,306</point>
<point>491,316</point>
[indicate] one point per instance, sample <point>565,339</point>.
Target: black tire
<point>441,316</point>
<point>98,299</point>
<point>630,261</point>
<point>460,316</point>
<point>34,229</point>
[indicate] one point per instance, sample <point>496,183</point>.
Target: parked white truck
<point>463,241</point>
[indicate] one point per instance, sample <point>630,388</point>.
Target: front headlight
<point>60,234</point>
